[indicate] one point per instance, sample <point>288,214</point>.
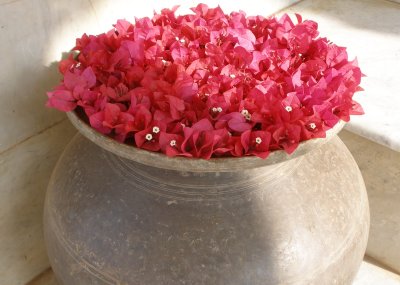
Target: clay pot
<point>115,214</point>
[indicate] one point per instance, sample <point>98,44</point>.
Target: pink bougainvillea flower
<point>234,122</point>
<point>79,79</point>
<point>210,84</point>
<point>67,64</point>
<point>171,144</point>
<point>62,100</point>
<point>149,138</point>
<point>256,143</point>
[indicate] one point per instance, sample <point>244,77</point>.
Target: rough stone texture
<point>110,220</point>
<point>25,171</point>
<point>380,167</point>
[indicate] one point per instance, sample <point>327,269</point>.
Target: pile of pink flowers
<point>209,84</point>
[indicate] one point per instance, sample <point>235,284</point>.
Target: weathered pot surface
<point>195,165</point>
<point>115,214</point>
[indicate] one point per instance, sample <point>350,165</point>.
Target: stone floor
<point>369,274</point>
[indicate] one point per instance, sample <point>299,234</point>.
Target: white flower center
<point>172,143</point>
<point>312,126</point>
<point>182,41</point>
<point>244,112</point>
<point>149,137</point>
<point>288,108</point>
<point>214,109</point>
<point>232,75</point>
<point>156,129</point>
<point>258,140</point>
<point>219,109</point>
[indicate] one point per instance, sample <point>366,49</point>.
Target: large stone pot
<point>115,214</point>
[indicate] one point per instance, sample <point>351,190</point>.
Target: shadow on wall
<point>23,77</point>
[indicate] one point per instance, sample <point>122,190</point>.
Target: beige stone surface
<point>380,167</point>
<point>25,171</point>
<point>33,34</point>
<point>369,274</point>
<point>108,11</point>
<point>45,278</point>
<point>371,31</point>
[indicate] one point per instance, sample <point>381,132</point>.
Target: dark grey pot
<point>120,215</point>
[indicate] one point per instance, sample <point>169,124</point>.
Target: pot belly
<point>113,221</point>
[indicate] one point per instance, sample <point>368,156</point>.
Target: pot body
<point>110,220</point>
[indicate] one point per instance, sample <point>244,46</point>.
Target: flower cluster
<point>209,84</point>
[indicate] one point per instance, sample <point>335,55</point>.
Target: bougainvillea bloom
<point>210,84</point>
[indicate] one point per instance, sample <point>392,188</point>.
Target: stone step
<point>380,167</point>
<point>368,274</point>
<point>371,30</point>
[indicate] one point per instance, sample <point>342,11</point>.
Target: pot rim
<point>224,164</point>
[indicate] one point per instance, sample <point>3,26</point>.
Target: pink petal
<point>203,125</point>
<point>96,121</point>
<point>245,37</point>
<point>90,77</point>
<point>136,50</point>
<point>61,100</point>
<point>184,87</point>
<point>123,27</point>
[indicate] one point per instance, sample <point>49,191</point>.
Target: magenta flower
<point>209,84</point>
